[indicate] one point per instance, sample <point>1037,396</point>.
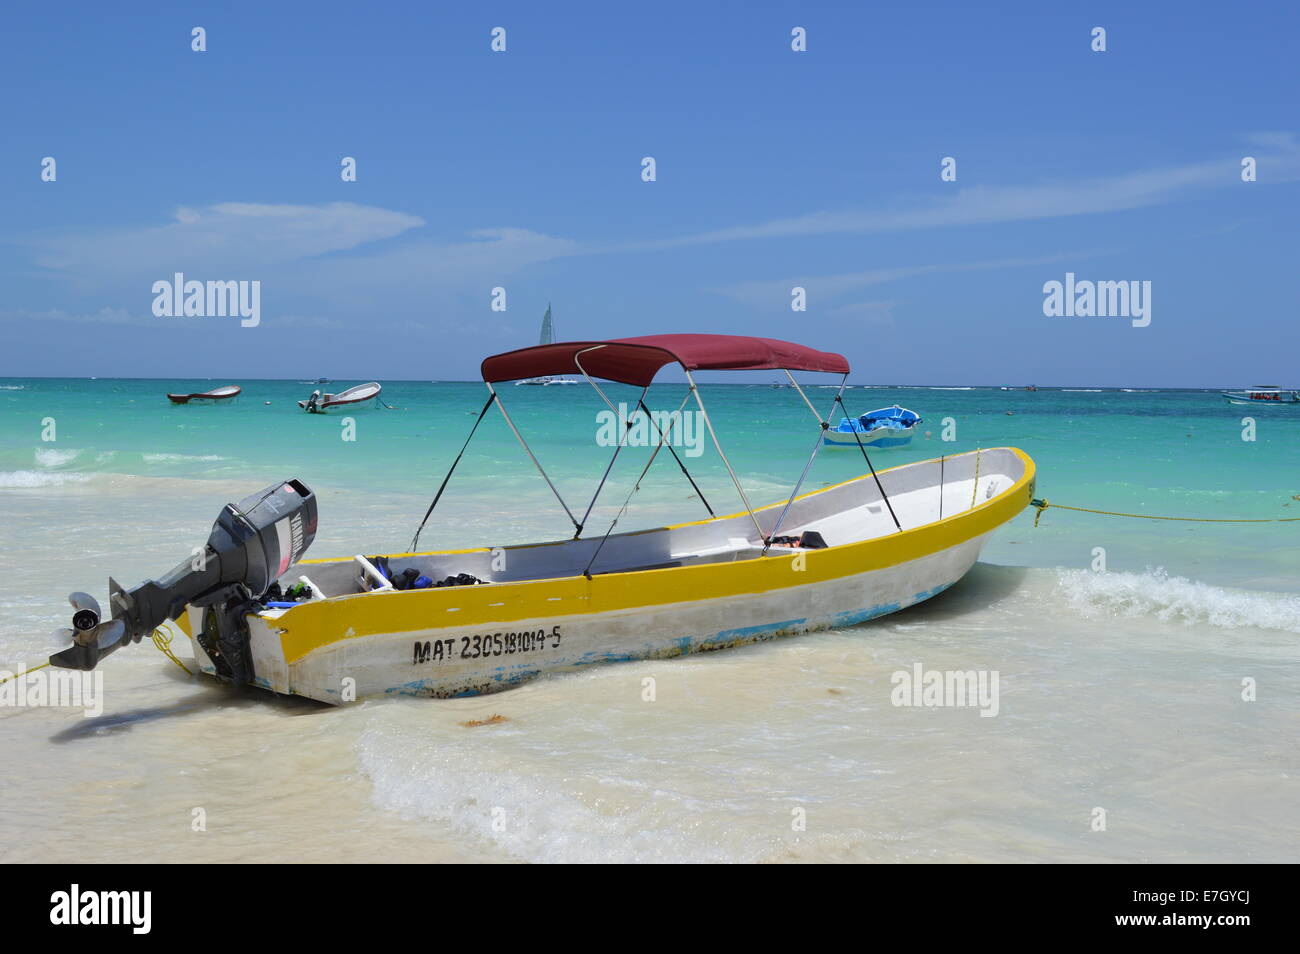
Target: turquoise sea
<point>1122,688</point>
<point>1175,453</point>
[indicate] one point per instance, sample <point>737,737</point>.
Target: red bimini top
<point>637,360</point>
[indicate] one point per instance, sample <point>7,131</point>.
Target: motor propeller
<point>252,543</point>
<point>85,611</point>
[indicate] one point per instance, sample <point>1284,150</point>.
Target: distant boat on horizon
<point>354,398</point>
<point>215,396</point>
<point>545,338</point>
<point>1262,394</point>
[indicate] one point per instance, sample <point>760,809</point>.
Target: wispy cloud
<point>871,312</point>
<point>104,316</point>
<point>770,292</point>
<point>246,234</point>
<point>229,235</point>
<point>339,263</point>
<point>486,253</point>
<point>991,204</point>
<point>328,263</point>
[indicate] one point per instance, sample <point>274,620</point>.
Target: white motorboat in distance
<point>1265,394</point>
<point>354,398</point>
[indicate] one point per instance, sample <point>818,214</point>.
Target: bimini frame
<point>702,351</point>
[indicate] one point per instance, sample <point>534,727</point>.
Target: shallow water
<point>1119,690</point>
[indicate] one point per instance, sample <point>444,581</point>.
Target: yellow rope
<point>1043,504</point>
<point>18,675</point>
<point>163,640</point>
<point>977,479</point>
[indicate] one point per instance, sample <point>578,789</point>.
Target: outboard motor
<point>251,544</point>
<point>313,401</point>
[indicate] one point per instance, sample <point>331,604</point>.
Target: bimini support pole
<point>649,417</point>
<point>824,427</point>
<point>879,486</point>
<point>675,418</point>
<point>663,437</point>
<point>622,440</point>
<point>529,451</point>
<point>795,385</point>
<point>704,415</point>
<point>415,541</point>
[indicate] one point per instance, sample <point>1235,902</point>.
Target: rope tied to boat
<point>19,675</point>
<point>1043,503</point>
<point>162,639</point>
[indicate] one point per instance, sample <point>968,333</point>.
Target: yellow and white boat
<point>347,629</point>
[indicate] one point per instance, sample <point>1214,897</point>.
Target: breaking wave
<point>54,457</point>
<point>1177,599</point>
<point>28,479</point>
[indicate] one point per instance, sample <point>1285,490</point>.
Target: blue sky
<point>522,169</point>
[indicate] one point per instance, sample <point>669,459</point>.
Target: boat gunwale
<point>304,629</point>
<point>1027,476</point>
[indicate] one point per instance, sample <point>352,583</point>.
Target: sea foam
<point>54,457</point>
<point>26,479</point>
<point>1177,599</point>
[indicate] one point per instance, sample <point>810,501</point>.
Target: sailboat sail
<point>548,331</point>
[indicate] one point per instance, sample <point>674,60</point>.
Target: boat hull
<point>467,640</point>
<point>337,406</point>
<point>352,399</point>
<point>219,396</point>
<point>1283,398</point>
<point>880,437</point>
<point>458,660</point>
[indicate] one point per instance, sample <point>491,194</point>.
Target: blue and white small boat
<point>886,427</point>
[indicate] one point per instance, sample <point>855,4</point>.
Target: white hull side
<point>454,662</point>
